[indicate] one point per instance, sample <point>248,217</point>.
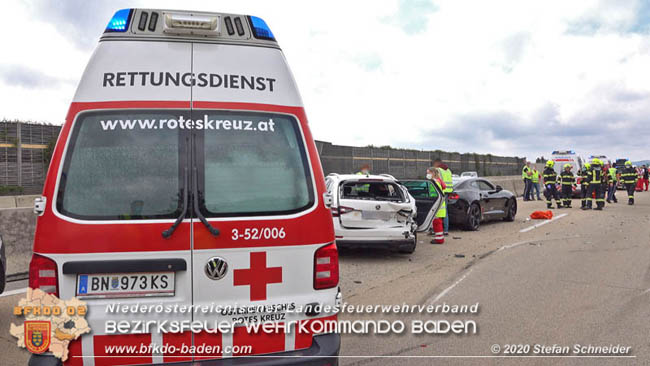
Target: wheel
<point>409,248</point>
<point>473,220</point>
<point>511,210</point>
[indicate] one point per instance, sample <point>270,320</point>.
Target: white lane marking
<point>513,245</point>
<point>14,292</point>
<point>444,292</point>
<point>542,223</point>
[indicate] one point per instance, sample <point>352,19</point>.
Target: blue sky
<point>502,77</point>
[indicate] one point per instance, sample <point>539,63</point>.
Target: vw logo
<point>216,268</point>
<point>378,207</point>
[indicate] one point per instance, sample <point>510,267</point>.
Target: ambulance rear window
<point>254,164</point>
<point>119,166</point>
<point>130,165</point>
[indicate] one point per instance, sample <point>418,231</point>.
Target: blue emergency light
<point>260,29</point>
<point>120,21</point>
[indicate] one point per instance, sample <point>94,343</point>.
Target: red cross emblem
<point>257,276</point>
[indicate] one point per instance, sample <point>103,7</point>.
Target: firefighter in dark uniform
<point>567,180</point>
<point>584,184</point>
<point>629,177</point>
<point>595,178</point>
<point>550,180</point>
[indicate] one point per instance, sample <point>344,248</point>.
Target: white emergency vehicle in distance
<point>376,211</point>
<point>602,158</point>
<point>561,157</point>
<point>186,175</point>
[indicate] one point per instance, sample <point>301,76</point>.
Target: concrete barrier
<point>17,229</point>
<point>7,202</point>
<point>17,201</point>
<point>512,183</point>
<point>25,201</point>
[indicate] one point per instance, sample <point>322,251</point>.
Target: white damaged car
<point>376,211</point>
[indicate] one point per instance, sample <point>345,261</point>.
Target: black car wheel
<point>473,219</point>
<point>511,210</point>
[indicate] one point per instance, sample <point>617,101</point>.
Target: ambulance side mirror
<point>39,205</point>
<point>328,199</point>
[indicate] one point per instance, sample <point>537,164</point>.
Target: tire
<point>511,212</point>
<point>409,248</point>
<point>473,219</point>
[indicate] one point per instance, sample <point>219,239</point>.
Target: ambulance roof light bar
<point>260,29</point>
<point>179,25</point>
<point>188,23</point>
<point>120,21</point>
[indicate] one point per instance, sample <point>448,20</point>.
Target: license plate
<point>110,285</point>
<point>377,215</point>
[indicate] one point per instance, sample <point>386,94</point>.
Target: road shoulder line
<point>525,230</point>
<point>13,292</point>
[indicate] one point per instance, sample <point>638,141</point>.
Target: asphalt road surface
<point>583,279</point>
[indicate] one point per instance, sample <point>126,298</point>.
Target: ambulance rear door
<point>118,226</point>
<point>256,187</point>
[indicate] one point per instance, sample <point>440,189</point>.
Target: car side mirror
<point>499,188</point>
<point>328,199</point>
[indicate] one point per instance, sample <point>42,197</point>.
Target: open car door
<point>427,204</point>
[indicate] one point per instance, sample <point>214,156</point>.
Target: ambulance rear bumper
<point>323,351</point>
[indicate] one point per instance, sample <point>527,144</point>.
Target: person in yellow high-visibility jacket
<point>447,178</point>
<point>434,175</point>
<point>535,186</point>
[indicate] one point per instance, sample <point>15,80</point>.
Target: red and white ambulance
<point>186,190</point>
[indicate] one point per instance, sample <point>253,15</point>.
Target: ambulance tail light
<point>260,29</point>
<point>43,275</point>
<point>326,267</point>
<point>120,21</point>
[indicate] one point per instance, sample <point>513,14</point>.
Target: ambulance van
<point>185,192</point>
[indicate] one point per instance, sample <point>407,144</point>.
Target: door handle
<point>125,266</point>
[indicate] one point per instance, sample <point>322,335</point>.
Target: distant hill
<point>641,162</point>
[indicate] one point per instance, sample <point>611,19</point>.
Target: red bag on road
<point>542,215</point>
